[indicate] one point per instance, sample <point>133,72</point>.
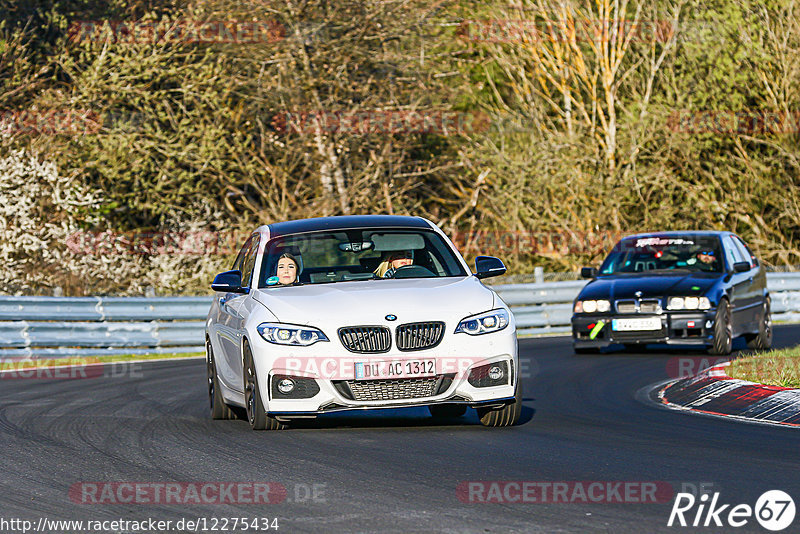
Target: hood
<point>624,286</point>
<point>368,302</point>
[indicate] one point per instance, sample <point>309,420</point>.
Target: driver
<point>391,261</point>
<point>707,258</point>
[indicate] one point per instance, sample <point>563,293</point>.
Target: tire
<point>508,415</point>
<point>723,330</point>
<point>256,413</point>
<point>219,410</point>
<point>586,350</point>
<point>447,411</point>
<point>762,340</point>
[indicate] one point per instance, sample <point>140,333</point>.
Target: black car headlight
<point>688,303</point>
<point>591,306</point>
<point>484,323</point>
<point>289,334</point>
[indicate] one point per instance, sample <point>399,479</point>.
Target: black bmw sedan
<point>681,288</point>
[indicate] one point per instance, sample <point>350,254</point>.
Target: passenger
<point>287,270</point>
<point>391,261</point>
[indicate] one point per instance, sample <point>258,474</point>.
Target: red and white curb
<point>713,392</point>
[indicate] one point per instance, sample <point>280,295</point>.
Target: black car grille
<point>366,339</point>
<point>392,389</point>
<point>639,334</point>
<point>418,336</point>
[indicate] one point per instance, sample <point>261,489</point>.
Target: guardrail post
<point>538,275</point>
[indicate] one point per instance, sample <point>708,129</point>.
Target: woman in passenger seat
<point>287,270</point>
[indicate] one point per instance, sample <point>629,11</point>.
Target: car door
<point>228,338</point>
<point>740,288</point>
<point>758,283</point>
<point>239,310</point>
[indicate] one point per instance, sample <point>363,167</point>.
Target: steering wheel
<point>413,271</point>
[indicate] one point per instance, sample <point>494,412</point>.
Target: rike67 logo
<point>774,510</point>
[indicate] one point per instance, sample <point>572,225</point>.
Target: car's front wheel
<point>508,415</point>
<point>219,410</point>
<point>256,413</point>
<point>723,329</point>
<point>763,339</point>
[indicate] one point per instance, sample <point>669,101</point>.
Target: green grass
<point>774,368</point>
<point>88,360</point>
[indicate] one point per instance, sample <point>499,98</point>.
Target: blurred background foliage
<point>578,128</point>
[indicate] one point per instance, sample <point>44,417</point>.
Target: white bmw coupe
<point>359,312</point>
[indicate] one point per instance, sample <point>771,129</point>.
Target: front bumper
<point>677,328</point>
<point>332,372</point>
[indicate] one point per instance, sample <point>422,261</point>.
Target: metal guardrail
<point>65,326</point>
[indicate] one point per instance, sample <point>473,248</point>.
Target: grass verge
<point>774,368</point>
<point>20,364</point>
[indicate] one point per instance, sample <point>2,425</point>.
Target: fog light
<point>286,386</point>
<point>495,372</point>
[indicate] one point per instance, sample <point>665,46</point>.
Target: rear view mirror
<point>355,247</point>
<point>588,272</point>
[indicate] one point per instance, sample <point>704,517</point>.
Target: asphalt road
<point>389,471</point>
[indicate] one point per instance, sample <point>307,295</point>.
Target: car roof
<point>344,222</point>
<point>675,233</point>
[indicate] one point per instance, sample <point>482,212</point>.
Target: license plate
<point>373,370</point>
<point>639,323</point>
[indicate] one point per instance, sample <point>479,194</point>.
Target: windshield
<point>360,254</point>
<point>688,252</point>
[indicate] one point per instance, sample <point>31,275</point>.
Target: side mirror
<point>588,272</point>
<point>488,266</point>
<point>741,267</point>
<point>229,282</point>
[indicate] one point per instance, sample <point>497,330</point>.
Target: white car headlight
<point>675,303</point>
<point>603,306</point>
<point>289,334</point>
<point>484,323</point>
<point>688,303</point>
<point>591,306</point>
